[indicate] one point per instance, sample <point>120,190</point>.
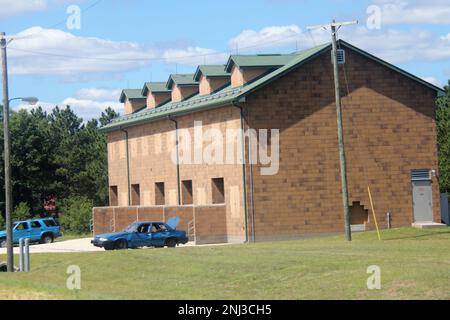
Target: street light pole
<point>7,157</point>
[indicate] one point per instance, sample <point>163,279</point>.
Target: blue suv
<point>37,230</point>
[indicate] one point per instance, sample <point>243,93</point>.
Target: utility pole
<point>7,158</point>
<point>335,26</point>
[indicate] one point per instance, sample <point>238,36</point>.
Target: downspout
<point>128,165</point>
<point>178,158</point>
<point>244,178</point>
<point>252,202</point>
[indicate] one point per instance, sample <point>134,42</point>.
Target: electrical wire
<point>259,45</point>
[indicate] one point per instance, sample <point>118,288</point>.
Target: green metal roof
<point>211,71</point>
<point>181,80</point>
<point>131,94</point>
<point>231,95</point>
<point>155,87</point>
<point>258,60</point>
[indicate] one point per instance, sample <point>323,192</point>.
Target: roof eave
<point>180,112</point>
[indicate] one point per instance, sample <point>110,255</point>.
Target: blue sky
<point>122,44</point>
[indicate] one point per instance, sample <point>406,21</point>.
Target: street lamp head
<point>30,100</point>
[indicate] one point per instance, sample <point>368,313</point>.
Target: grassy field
<point>414,265</point>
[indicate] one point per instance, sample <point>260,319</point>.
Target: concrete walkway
<point>77,245</point>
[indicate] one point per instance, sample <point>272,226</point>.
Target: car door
<point>21,230</point>
<point>36,230</point>
<point>141,237</point>
<point>159,234</point>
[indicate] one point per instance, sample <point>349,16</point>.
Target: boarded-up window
<point>186,192</point>
<point>218,191</point>
<point>160,194</point>
<point>135,195</point>
<point>113,196</point>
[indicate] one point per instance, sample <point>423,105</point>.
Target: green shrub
<point>21,212</point>
<point>76,214</point>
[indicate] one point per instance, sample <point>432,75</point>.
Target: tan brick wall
<point>209,85</point>
<point>210,224</point>
<point>151,213</point>
<point>103,219</point>
<point>150,148</point>
<point>389,128</point>
<point>181,93</point>
<point>186,214</point>
<point>131,106</point>
<point>241,76</point>
<point>155,99</point>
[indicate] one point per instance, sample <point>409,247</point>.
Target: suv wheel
<point>171,243</point>
<point>121,245</point>
<point>2,243</point>
<point>47,238</point>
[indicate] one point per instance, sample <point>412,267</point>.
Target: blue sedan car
<point>143,234</point>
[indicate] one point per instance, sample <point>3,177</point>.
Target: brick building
<point>389,130</point>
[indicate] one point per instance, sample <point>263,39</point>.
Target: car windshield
<point>132,227</point>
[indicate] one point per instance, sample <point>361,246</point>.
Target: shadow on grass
<point>425,234</point>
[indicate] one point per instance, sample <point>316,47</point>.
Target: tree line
<point>59,165</point>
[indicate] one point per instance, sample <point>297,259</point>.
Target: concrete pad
<point>81,245</point>
<point>429,225</point>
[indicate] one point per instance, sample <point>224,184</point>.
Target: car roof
<point>31,220</point>
<point>145,222</point>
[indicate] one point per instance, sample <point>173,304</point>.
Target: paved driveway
<point>77,245</point>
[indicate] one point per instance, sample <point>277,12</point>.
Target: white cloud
<point>39,51</point>
<point>433,80</point>
<point>194,56</point>
<point>88,103</point>
<point>15,7</point>
<point>275,36</point>
<point>414,11</point>
<point>447,37</point>
<point>399,46</point>
<point>55,52</point>
<point>395,46</point>
<point>98,94</point>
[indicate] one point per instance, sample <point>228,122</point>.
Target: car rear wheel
<point>47,238</point>
<point>121,245</point>
<point>171,243</point>
<point>2,243</point>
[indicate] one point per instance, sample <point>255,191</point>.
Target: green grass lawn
<point>414,264</point>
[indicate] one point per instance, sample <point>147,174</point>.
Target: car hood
<point>112,236</point>
<point>3,233</point>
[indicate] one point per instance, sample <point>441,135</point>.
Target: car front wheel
<point>121,245</point>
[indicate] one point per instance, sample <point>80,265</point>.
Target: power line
<point>258,45</point>
<point>94,4</point>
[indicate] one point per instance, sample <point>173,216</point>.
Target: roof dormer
<point>211,78</point>
<point>156,94</point>
<point>245,68</point>
<point>182,86</point>
<point>133,100</point>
